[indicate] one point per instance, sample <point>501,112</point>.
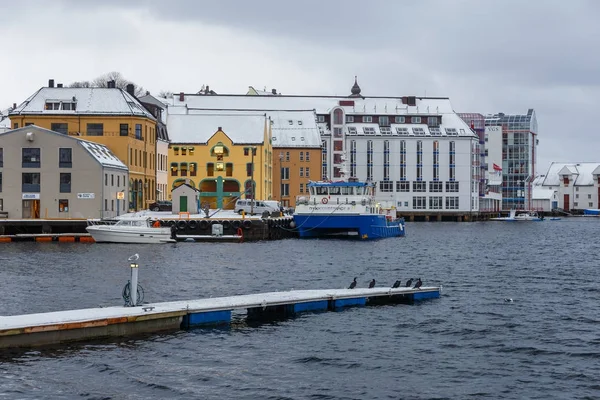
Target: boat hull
<point>104,234</point>
<point>371,226</point>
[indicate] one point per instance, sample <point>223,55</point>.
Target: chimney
<point>274,91</point>
<point>207,91</point>
<point>131,89</point>
<point>181,96</point>
<point>50,82</point>
<point>14,105</point>
<point>59,85</point>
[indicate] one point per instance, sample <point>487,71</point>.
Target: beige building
<point>46,174</point>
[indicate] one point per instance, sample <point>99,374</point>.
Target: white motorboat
<point>130,230</point>
<point>520,215</point>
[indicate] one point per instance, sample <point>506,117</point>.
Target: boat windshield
<point>132,222</point>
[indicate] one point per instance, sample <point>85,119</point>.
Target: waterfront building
<point>423,156</point>
<point>224,154</point>
<point>109,116</point>
<point>46,174</point>
<point>158,110</point>
<point>570,187</point>
<point>519,151</point>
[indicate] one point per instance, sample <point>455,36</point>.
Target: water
<point>470,343</point>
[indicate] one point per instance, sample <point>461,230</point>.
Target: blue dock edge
<point>206,318</point>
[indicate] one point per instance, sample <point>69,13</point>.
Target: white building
<point>574,186</point>
<point>423,156</point>
<point>492,198</point>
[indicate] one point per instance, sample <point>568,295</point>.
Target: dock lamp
<point>133,294</point>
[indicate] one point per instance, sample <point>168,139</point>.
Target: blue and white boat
<point>345,208</point>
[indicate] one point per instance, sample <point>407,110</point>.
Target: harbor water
<point>519,317</point>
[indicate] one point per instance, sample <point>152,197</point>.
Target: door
<point>31,209</point>
<point>183,207</point>
<point>566,203</point>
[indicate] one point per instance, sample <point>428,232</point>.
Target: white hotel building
<point>422,155</point>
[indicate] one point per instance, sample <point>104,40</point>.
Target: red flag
<point>497,167</point>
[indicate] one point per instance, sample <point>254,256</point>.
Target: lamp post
<point>252,150</point>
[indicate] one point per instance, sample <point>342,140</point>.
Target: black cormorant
<point>372,284</point>
<point>396,284</point>
<point>409,283</point>
<point>418,284</point>
<point>353,284</point>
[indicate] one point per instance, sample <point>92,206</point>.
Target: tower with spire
<point>355,88</point>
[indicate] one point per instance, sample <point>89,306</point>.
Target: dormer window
<point>299,122</point>
<point>291,122</point>
<point>60,105</point>
<point>367,118</point>
<point>415,120</point>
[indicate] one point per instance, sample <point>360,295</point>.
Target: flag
<point>497,167</point>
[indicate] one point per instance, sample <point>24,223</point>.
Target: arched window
<point>338,117</point>
<point>174,169</point>
<point>183,169</point>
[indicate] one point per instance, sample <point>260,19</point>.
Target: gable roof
<point>99,152</point>
<point>583,173</point>
<point>294,129</point>
<point>89,101</point>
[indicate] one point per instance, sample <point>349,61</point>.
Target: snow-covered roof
<point>294,129</point>
<point>582,173</point>
<point>102,154</point>
<point>89,101</point>
<point>201,125</point>
<point>541,193</point>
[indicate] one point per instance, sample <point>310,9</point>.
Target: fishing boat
<point>344,208</point>
<point>129,230</point>
<point>520,215</point>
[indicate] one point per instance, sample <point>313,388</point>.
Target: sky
<point>487,56</point>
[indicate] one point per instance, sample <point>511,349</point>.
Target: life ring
<point>193,224</point>
<point>171,222</point>
<point>236,224</point>
<point>324,200</point>
<point>203,224</point>
<point>181,225</point>
<point>247,224</point>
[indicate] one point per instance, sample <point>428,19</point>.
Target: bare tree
<point>165,94</point>
<point>102,82</point>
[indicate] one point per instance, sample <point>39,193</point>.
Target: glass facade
<point>519,143</point>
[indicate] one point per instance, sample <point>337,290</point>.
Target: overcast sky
<point>488,56</point>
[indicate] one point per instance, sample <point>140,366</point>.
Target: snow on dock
<point>85,324</point>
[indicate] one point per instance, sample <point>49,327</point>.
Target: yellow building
<point>109,116</point>
<point>221,153</point>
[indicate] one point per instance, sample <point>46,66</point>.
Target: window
<point>0,185</point>
<point>60,128</point>
<point>384,121</point>
<point>175,151</point>
<point>194,169</point>
<point>436,186</point>
<point>299,122</point>
<point>338,145</point>
<point>351,130</point>
<point>435,203</point>
<point>112,180</point>
<point>124,130</point>
<point>589,204</point>
<point>385,130</point>
<point>1,157</point>
<point>400,120</point>
<point>285,173</point>
<point>320,118</point>
<point>589,196</point>
<point>307,156</point>
<point>285,189</point>
<point>308,172</point>
<point>52,105</point>
<point>367,118</point>
<point>220,166</point>
<point>31,158</point>
<point>402,131</point>
<point>369,130</point>
<point>65,182</point>
<point>184,151</point>
<point>402,186</point>
<point>451,203</point>
<point>419,131</point>
<point>174,169</point>
<point>301,156</point>
<point>435,131</point>
<point>432,121</point>
<point>65,158</point>
<point>138,131</point>
<point>386,186</point>
<point>349,118</point>
<point>451,132</point>
<point>95,130</point>
<point>301,172</point>
<point>63,205</point>
<point>105,179</point>
<point>419,203</point>
<point>228,169</point>
<point>287,156</point>
<point>338,117</point>
<point>337,132</point>
<point>415,120</point>
<point>419,186</point>
<point>31,182</point>
<point>452,187</point>
<point>248,169</point>
<point>302,188</point>
<point>577,196</point>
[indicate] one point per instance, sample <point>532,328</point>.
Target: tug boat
<point>345,208</point>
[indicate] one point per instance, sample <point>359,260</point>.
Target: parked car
<point>259,207</point>
<point>161,205</point>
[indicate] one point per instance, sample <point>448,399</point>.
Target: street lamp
<point>252,151</point>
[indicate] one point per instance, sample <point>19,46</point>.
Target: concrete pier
<point>79,325</point>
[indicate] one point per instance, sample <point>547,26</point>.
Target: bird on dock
<point>418,284</point>
<point>409,283</point>
<point>397,284</point>
<point>353,284</point>
<point>372,284</point>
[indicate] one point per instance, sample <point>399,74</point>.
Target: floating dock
<point>86,324</point>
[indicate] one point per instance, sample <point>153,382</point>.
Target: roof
<point>89,101</point>
<point>582,173</point>
<point>184,185</point>
<point>514,121</point>
<point>294,129</point>
<point>99,152</point>
<point>200,126</point>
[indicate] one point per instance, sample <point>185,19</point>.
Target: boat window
<point>346,190</point>
<point>321,190</point>
<point>335,190</point>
